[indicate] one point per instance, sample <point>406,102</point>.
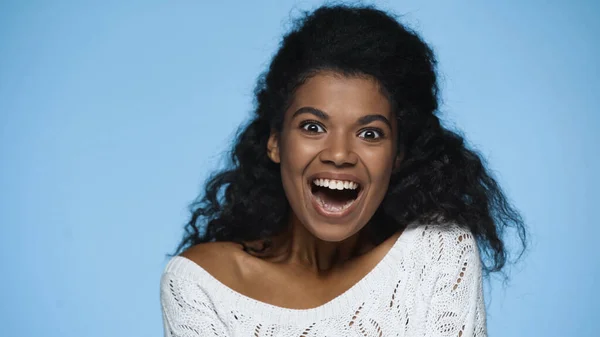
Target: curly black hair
<point>440,180</point>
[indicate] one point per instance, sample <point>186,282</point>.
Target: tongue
<point>334,199</point>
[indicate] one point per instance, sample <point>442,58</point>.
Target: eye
<point>312,127</point>
<point>370,134</point>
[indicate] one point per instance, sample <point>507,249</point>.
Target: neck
<point>298,247</point>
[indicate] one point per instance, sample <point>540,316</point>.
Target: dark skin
<point>336,127</point>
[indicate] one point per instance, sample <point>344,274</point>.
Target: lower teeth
<point>333,208</point>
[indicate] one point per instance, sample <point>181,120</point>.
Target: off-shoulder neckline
<point>214,288</point>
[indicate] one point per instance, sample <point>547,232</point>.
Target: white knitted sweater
<point>428,284</point>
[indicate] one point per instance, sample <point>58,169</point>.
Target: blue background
<point>114,112</point>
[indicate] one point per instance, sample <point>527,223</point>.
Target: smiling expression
<point>336,150</point>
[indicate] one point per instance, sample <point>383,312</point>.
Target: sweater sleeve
<point>186,309</point>
<point>457,305</point>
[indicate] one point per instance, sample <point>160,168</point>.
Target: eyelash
<point>309,122</point>
<point>378,131</point>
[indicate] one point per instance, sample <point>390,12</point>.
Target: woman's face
<point>336,150</point>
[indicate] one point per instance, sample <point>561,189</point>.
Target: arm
<point>457,307</point>
<point>187,310</point>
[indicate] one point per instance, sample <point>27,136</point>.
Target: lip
<point>335,176</point>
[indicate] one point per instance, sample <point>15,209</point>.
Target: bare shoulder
<point>223,260</point>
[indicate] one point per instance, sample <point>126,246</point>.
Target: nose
<point>339,151</point>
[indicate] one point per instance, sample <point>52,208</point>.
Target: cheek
<point>297,154</point>
<point>379,162</point>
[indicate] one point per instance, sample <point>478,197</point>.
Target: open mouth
<point>334,197</point>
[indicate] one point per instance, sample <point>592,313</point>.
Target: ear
<point>397,163</point>
<point>399,159</point>
<point>273,147</point>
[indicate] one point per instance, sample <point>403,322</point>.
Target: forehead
<point>342,96</point>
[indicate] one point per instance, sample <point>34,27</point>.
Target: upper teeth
<point>336,184</point>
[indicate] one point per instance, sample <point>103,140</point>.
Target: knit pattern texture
<point>429,284</point>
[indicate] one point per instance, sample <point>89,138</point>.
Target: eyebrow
<point>364,120</point>
<point>310,110</point>
<point>376,117</point>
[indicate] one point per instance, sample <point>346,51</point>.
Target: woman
<point>348,209</point>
